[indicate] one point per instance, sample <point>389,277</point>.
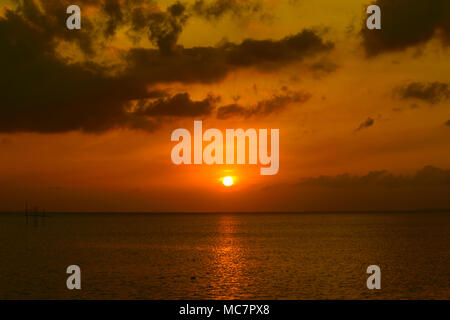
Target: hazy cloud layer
<point>406,23</point>
<point>42,92</point>
<point>432,92</point>
<point>428,176</point>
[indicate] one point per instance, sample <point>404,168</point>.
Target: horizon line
<point>443,210</point>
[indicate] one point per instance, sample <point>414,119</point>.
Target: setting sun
<point>227,181</point>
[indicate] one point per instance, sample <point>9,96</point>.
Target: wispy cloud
<point>266,107</point>
<point>431,92</point>
<point>365,124</point>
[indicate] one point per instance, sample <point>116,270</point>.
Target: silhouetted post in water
<point>36,213</point>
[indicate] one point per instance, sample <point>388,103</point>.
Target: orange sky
<point>127,169</point>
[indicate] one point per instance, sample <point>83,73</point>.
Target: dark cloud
<point>179,105</point>
<point>427,176</point>
<point>145,19</point>
<point>115,15</point>
<point>210,64</point>
<point>42,92</point>
<point>218,8</point>
<point>406,23</point>
<point>231,110</point>
<point>323,66</point>
<point>166,27</point>
<point>447,123</point>
<point>432,92</point>
<point>366,124</point>
<point>50,18</point>
<point>140,18</point>
<point>271,53</point>
<point>263,108</point>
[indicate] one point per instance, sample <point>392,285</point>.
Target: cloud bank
<point>427,176</point>
<point>43,92</point>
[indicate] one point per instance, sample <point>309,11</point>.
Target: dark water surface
<point>226,256</point>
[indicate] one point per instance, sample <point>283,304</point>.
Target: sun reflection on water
<point>229,260</point>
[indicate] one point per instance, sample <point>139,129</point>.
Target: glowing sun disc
<point>227,181</point>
